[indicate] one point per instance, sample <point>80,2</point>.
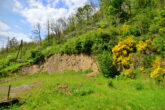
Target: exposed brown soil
<point>30,69</point>
<point>59,63</point>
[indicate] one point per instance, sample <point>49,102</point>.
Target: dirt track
<point>17,90</point>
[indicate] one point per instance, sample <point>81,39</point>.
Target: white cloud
<point>18,4</point>
<point>18,36</point>
<point>3,26</point>
<point>4,33</point>
<point>35,11</point>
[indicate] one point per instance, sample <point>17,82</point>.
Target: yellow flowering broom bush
<point>158,71</point>
<point>125,28</point>
<point>123,53</point>
<point>145,47</point>
<point>130,73</point>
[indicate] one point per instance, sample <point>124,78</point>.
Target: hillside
<point>123,40</point>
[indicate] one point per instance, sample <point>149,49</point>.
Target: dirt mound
<point>59,63</point>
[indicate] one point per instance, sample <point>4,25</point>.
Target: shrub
<point>162,31</point>
<point>11,58</point>
<point>77,46</point>
<point>160,43</point>
<point>154,28</point>
<point>87,44</point>
<point>159,71</point>
<point>130,73</point>
<point>68,47</point>
<point>158,68</point>
<point>103,24</point>
<point>37,56</point>
<point>105,62</point>
<point>147,60</point>
<point>133,30</point>
<point>123,53</point>
<point>146,47</point>
<point>125,28</point>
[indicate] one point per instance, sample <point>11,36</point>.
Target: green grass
<point>89,93</point>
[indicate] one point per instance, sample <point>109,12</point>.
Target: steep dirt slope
<point>59,63</point>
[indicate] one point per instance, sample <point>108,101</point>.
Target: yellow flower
<point>142,69</point>
<point>123,52</point>
<point>99,29</point>
<point>130,73</point>
<point>125,28</point>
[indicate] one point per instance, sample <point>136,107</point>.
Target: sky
<point>17,17</point>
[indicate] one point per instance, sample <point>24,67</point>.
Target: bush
<point>37,56</point>
<point>147,60</point>
<point>123,53</point>
<point>106,66</point>
<point>68,47</point>
<point>77,46</point>
<point>103,24</point>
<point>146,47</point>
<point>160,43</point>
<point>134,30</point>
<point>162,31</point>
<point>158,71</point>
<point>154,28</point>
<point>130,73</point>
<point>87,44</point>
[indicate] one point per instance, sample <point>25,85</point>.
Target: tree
<point>55,28</point>
<point>87,11</point>
<point>71,22</point>
<point>8,44</point>
<point>48,27</point>
<point>13,42</point>
<point>62,23</point>
<point>37,32</point>
<point>79,15</point>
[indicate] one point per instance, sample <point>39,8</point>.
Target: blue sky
<point>17,17</point>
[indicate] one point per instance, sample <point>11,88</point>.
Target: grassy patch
<point>89,93</point>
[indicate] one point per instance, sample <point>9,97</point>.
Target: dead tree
<point>48,28</point>
<point>20,49</point>
<point>37,32</point>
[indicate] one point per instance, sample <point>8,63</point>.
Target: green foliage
<point>139,86</point>
<point>82,91</point>
<point>154,28</point>
<point>89,70</point>
<point>162,31</point>
<point>87,45</point>
<point>147,60</point>
<point>103,24</point>
<point>105,63</point>
<point>37,56</point>
<point>160,43</point>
